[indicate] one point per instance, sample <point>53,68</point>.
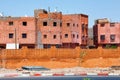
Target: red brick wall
<point>30,30</point>
<point>11,56</point>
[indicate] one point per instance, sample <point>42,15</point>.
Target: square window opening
<point>11,23</point>
<point>24,35</point>
<point>77,25</point>
<point>102,37</point>
<point>24,23</point>
<point>10,35</point>
<point>66,35</point>
<point>68,24</point>
<point>60,24</point>
<point>73,35</point>
<point>54,36</point>
<point>77,36</point>
<point>54,23</point>
<point>45,36</point>
<point>112,38</point>
<point>44,23</point>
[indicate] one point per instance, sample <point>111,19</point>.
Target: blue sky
<point>94,8</point>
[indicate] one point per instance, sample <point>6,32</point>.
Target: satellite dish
<point>56,9</point>
<point>1,14</point>
<point>26,15</point>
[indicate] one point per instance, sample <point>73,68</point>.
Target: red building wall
<point>66,36</point>
<point>52,32</point>
<point>17,28</point>
<point>75,31</point>
<point>107,29</point>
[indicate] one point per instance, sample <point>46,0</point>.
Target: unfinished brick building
<point>55,29</point>
<point>106,33</point>
<point>48,28</point>
<point>44,30</point>
<point>17,30</point>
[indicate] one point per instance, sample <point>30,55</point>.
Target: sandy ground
<point>75,70</point>
<point>102,62</point>
<point>67,63</point>
<point>69,66</point>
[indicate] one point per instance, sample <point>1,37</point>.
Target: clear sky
<point>94,8</point>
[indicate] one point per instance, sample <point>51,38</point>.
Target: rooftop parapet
<point>43,14</point>
<point>100,21</point>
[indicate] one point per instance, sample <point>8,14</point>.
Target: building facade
<point>106,33</point>
<point>66,31</point>
<point>74,30</point>
<point>44,30</point>
<point>48,28</point>
<point>17,30</point>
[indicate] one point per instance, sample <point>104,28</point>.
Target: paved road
<point>65,78</point>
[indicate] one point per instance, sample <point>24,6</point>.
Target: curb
<point>57,74</point>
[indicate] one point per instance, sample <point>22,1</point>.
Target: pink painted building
<point>17,30</point>
<point>106,32</point>
<point>74,30</point>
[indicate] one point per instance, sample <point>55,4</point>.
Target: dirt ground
<point>66,63</point>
